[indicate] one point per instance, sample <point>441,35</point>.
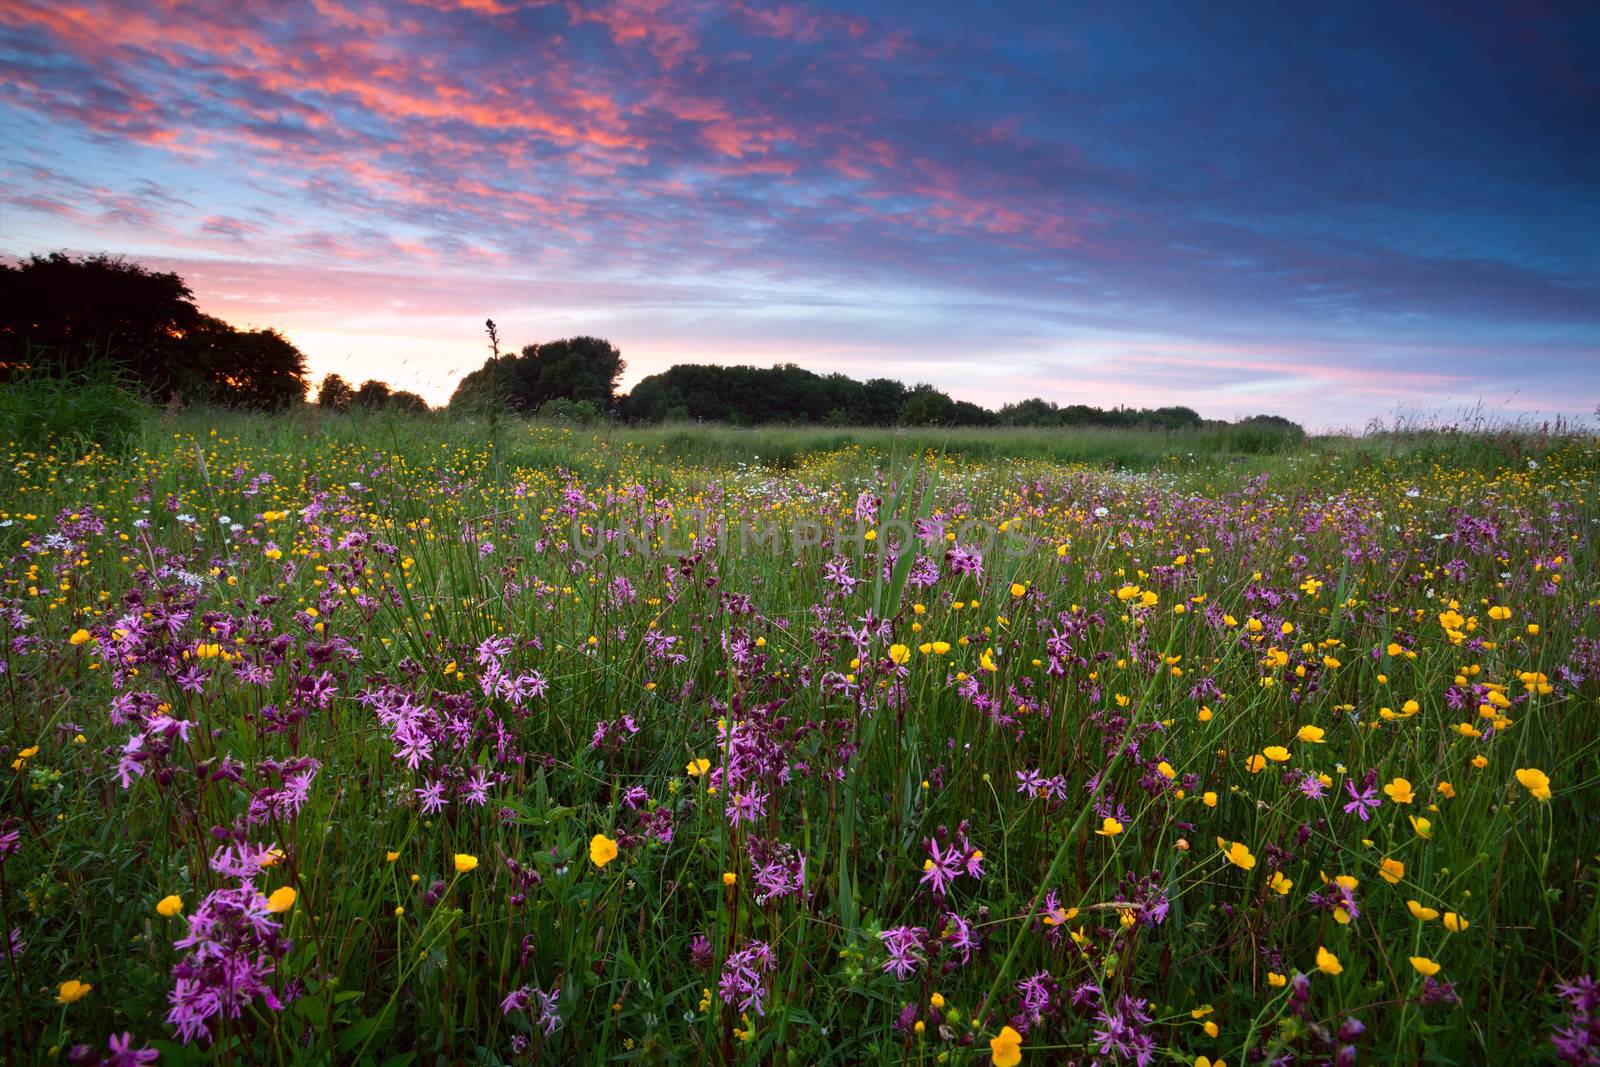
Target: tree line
<point>59,315</point>
<point>577,378</point>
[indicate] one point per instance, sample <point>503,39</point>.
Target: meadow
<point>396,741</point>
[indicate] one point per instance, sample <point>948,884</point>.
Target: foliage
<point>94,309</point>
<point>335,393</point>
<point>743,395</point>
<point>94,405</point>
<point>576,369</point>
<point>369,728</point>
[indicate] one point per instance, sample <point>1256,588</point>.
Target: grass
<point>375,697</point>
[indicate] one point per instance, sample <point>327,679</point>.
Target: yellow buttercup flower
<point>1327,962</point>
<point>282,899</point>
<point>1311,734</point>
<point>78,637</point>
<point>602,850</point>
<point>698,767</point>
<point>1535,782</point>
<point>1424,966</point>
<point>1399,791</point>
<point>1421,912</point>
<point>1237,854</point>
<point>71,991</point>
<point>1005,1048</point>
<point>465,863</point>
<point>169,906</point>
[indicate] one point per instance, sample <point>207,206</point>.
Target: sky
<point>1330,212</point>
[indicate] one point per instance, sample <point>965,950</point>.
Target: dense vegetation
<point>388,740</point>
<point>61,317</point>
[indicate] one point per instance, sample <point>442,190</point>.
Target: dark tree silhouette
<point>373,395</point>
<point>335,393</point>
<point>64,314</point>
<point>403,400</point>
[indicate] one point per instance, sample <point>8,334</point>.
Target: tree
<point>259,369</point>
<point>403,400</point>
<point>94,308</point>
<point>67,313</point>
<point>335,393</point>
<point>576,369</point>
<point>927,406</point>
<point>372,396</point>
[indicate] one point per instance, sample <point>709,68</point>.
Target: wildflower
<point>1421,912</point>
<point>123,1054</point>
<point>1391,871</point>
<point>1276,753</point>
<point>1109,827</point>
<point>1455,923</point>
<point>900,654</point>
<point>698,767</point>
<point>1279,884</point>
<point>169,906</point>
<point>78,637</point>
<point>1327,962</point>
<point>1423,827</point>
<point>71,991</point>
<point>1424,966</point>
<point>1005,1048</point>
<point>1535,781</point>
<point>602,850</point>
<point>1362,803</point>
<point>1579,1041</point>
<point>1237,854</point>
<point>465,863</point>
<point>1399,791</point>
<point>904,945</point>
<point>1018,589</point>
<point>1310,734</point>
<point>282,899</point>
<point>390,856</point>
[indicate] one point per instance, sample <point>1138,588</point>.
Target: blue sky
<point>1330,214</point>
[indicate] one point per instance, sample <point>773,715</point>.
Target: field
<point>408,741</point>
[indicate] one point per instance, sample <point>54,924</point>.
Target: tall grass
<point>375,697</point>
<point>93,406</point>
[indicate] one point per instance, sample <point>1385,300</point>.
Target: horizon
<point>1331,219</point>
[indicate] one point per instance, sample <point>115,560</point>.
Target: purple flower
<point>905,950</point>
<point>123,1054</point>
<point>1365,802</point>
<point>1122,1035</point>
<point>742,984</point>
